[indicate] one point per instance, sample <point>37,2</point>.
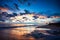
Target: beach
<point>30,33</point>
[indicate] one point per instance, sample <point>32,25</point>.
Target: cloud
<point>10,4</point>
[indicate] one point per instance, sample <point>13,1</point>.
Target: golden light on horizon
<point>55,16</point>
<point>42,16</point>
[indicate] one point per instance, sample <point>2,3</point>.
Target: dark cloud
<point>56,14</point>
<point>12,4</point>
<point>16,6</point>
<point>41,5</point>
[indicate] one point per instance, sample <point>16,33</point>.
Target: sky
<point>46,7</point>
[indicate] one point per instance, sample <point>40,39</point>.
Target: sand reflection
<point>16,33</point>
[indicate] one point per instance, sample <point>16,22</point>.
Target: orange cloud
<point>55,16</point>
<point>3,9</point>
<point>42,16</point>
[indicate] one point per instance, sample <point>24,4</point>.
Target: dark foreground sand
<point>30,33</point>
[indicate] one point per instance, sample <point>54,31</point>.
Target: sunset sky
<point>47,7</point>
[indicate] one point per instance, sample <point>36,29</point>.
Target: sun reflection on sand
<point>22,30</point>
<point>17,33</point>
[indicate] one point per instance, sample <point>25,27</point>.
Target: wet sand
<point>26,33</point>
<point>14,34</point>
